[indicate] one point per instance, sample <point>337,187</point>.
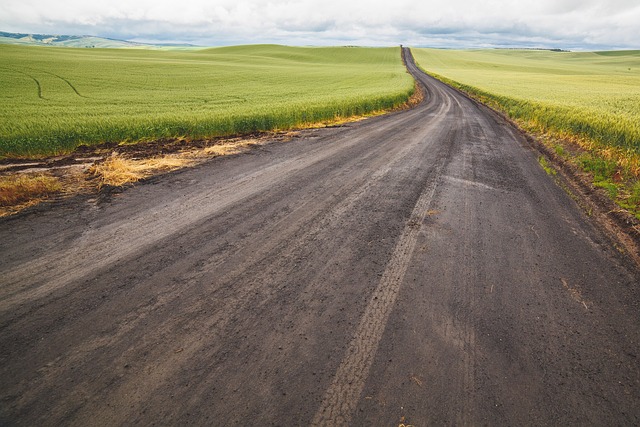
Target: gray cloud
<point>582,24</point>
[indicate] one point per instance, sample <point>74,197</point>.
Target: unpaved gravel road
<point>417,268</point>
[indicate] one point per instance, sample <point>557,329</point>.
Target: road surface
<point>418,268</point>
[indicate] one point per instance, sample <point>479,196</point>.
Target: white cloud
<point>455,23</point>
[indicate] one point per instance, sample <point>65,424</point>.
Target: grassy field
<point>55,99</point>
<point>589,98</point>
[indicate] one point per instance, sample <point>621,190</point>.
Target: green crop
<point>54,99</point>
<point>594,96</point>
<point>590,94</point>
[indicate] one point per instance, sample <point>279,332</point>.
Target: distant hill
<point>75,41</point>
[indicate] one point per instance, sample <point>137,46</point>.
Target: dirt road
<point>417,268</point>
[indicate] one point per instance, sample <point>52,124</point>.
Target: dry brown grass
<point>417,97</point>
<point>230,148</point>
<point>20,188</point>
<point>117,170</point>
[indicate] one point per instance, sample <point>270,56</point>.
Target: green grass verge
<point>54,99</point>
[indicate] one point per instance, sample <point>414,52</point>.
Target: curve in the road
<point>416,268</point>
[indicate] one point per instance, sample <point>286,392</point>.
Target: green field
<point>592,98</point>
<point>55,99</point>
<point>592,94</point>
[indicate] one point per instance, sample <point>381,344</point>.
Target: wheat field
<point>54,99</point>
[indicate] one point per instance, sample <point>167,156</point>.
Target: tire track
<point>37,82</point>
<point>39,85</point>
<point>35,279</point>
<point>216,324</point>
<point>66,81</point>
<point>342,396</point>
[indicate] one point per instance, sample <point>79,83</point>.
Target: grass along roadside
<point>615,172</point>
<point>111,166</point>
<point>583,106</point>
<point>106,170</point>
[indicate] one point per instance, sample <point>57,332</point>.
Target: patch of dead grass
<point>20,188</point>
<point>229,148</point>
<point>117,170</point>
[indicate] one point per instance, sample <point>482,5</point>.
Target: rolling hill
<point>75,41</point>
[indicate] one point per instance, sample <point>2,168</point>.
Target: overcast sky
<point>572,24</point>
